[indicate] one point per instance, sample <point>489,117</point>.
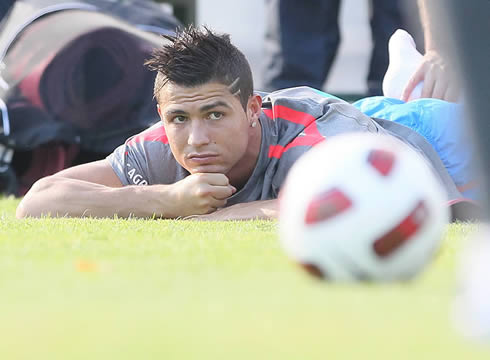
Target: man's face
<point>207,127</point>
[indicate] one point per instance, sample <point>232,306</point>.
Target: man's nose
<point>198,134</point>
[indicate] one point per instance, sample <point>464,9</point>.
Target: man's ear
<point>254,107</point>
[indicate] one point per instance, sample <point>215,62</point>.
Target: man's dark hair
<point>195,56</point>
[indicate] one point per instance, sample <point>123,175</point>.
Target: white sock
<point>404,61</point>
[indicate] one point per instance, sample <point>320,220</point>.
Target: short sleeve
<point>128,163</point>
<point>146,159</point>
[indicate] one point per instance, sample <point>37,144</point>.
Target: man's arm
<point>435,69</point>
<point>94,189</point>
<point>255,210</point>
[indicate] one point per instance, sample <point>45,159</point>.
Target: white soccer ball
<point>362,207</point>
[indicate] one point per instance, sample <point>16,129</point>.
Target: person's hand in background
<point>438,79</point>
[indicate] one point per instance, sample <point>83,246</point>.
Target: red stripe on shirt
<point>275,151</point>
<point>294,116</point>
<point>268,113</point>
<point>311,137</point>
<point>153,134</point>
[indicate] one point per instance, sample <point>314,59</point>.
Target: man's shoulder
<point>299,93</point>
<point>299,105</point>
<point>155,133</point>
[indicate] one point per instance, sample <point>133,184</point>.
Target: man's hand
<point>255,210</point>
<point>201,193</point>
<point>438,81</point>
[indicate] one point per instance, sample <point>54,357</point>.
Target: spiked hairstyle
<point>195,56</point>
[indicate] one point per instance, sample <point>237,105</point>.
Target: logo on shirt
<point>135,178</point>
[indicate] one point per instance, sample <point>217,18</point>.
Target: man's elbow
<point>31,204</point>
<point>20,212</point>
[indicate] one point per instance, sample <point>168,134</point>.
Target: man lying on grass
<point>220,152</point>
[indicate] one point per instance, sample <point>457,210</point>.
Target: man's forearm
<point>255,210</point>
<point>59,196</point>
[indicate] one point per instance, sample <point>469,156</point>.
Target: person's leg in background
<point>301,41</point>
<point>385,17</point>
<point>5,6</point>
<point>473,59</point>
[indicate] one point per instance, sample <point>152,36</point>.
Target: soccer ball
<point>362,207</point>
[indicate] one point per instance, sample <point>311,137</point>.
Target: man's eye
<point>215,115</point>
<point>178,120</point>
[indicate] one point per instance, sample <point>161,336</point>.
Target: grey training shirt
<point>293,120</point>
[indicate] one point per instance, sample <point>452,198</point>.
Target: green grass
<point>134,289</point>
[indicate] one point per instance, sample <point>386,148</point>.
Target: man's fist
<point>201,193</point>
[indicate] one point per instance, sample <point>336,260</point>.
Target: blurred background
<point>245,21</point>
<point>73,87</point>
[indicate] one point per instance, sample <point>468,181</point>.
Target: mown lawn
<point>135,289</point>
